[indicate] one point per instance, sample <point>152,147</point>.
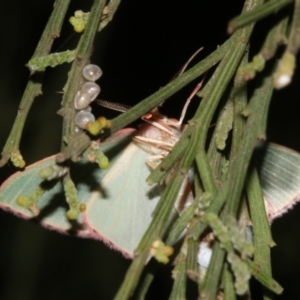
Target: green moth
<point>119,202</point>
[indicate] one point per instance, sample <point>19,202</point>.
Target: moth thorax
<point>151,132</point>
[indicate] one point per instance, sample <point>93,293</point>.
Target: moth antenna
<point>187,63</point>
<point>189,60</point>
<point>178,124</point>
<point>197,88</point>
<point>113,105</point>
<point>188,101</point>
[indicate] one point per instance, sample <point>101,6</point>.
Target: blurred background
<point>140,51</point>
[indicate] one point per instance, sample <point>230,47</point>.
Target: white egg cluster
<point>88,93</point>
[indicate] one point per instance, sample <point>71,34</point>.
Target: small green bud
<point>72,215</point>
<point>93,128</point>
<point>224,125</point>
<point>82,207</point>
<point>17,159</point>
<point>239,243</point>
<point>53,172</point>
<point>71,196</point>
<point>161,252</point>
<point>285,70</point>
<point>241,273</point>
<point>29,201</point>
<point>103,161</point>
<point>219,230</point>
<point>21,201</point>
<point>79,20</point>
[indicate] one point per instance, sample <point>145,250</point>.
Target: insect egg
<point>83,117</point>
<point>92,89</point>
<point>91,72</point>
<point>78,130</point>
<point>82,100</point>
<point>88,109</point>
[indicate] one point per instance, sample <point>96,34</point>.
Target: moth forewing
<point>121,215</point>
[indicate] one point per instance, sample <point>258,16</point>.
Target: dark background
<point>140,51</point>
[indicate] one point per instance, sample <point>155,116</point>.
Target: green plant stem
<point>227,282</point>
<point>231,192</point>
<point>143,288</point>
<point>256,111</point>
<point>179,275</point>
<point>180,223</point>
<point>51,60</point>
<point>261,229</point>
<point>252,122</point>
<point>75,79</point>
<point>216,156</point>
<point>257,14</point>
<point>33,88</point>
<point>232,61</point>
<point>209,289</point>
<point>239,96</point>
<point>237,172</point>
<point>192,267</point>
<point>112,8</point>
<point>262,238</point>
<point>294,38</point>
<point>76,145</point>
<point>202,119</point>
<point>206,174</point>
<point>264,278</point>
<point>275,37</point>
<point>287,63</point>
